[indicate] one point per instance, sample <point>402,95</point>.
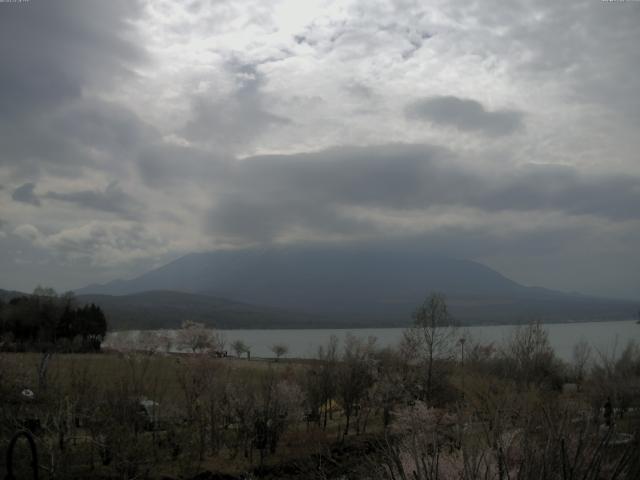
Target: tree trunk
<point>346,428</point>
<point>326,412</point>
<point>429,373</point>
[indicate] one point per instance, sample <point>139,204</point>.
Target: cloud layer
<point>465,114</point>
<point>134,132</point>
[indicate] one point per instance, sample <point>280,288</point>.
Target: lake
<point>606,337</point>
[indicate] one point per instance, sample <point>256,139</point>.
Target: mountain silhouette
<point>362,286</point>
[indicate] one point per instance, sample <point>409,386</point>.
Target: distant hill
<point>6,295</point>
<point>348,287</point>
<point>168,309</point>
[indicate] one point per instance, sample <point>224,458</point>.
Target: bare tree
<point>327,374</point>
<point>616,376</point>
<point>529,355</point>
<point>279,349</point>
<point>240,407</point>
<point>354,375</point>
<point>581,358</point>
<point>389,389</point>
<point>278,404</point>
<point>239,347</point>
<point>433,334</point>
<point>203,382</point>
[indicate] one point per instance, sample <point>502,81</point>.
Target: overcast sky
<point>506,132</point>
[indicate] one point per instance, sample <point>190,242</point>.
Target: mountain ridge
<point>157,309</point>
<point>363,286</point>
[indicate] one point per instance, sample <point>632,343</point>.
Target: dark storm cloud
<point>562,188</point>
<point>387,175</point>
<point>112,199</point>
<point>465,114</point>
<point>474,241</point>
<point>262,221</point>
<point>169,165</point>
<point>25,194</point>
<point>83,134</point>
<point>104,126</point>
<point>262,197</point>
<point>51,50</point>
<point>52,53</point>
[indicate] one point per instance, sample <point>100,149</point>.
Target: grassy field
<point>106,368</point>
<point>220,414</point>
<point>94,379</point>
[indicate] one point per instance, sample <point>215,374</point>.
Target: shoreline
<point>384,327</point>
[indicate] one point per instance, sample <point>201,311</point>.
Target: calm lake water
<point>606,337</point>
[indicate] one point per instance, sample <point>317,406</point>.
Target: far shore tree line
<point>46,321</point>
